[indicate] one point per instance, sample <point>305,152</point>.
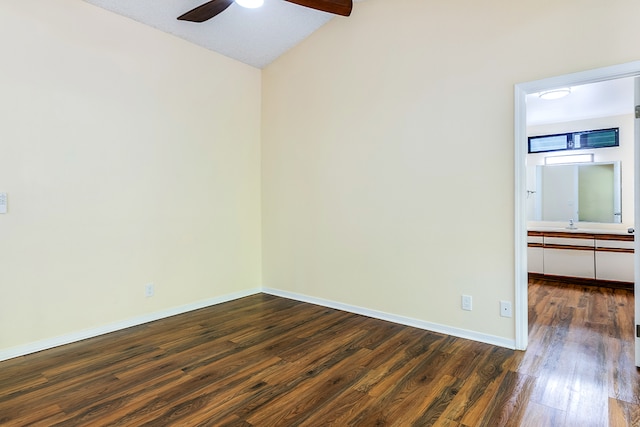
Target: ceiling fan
<point>211,8</point>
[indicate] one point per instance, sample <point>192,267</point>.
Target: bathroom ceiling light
<point>575,158</point>
<point>555,93</point>
<point>250,4</point>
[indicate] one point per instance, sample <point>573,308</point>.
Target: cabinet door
<point>614,258</point>
<point>535,260</point>
<point>616,266</point>
<point>569,262</point>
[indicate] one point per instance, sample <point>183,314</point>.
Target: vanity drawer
<point>569,242</point>
<point>615,244</point>
<point>535,240</point>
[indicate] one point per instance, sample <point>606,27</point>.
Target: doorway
<point>520,149</point>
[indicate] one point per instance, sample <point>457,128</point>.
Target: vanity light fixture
<point>574,158</point>
<point>555,93</point>
<point>250,4</point>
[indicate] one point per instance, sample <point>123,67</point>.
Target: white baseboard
<point>402,320</point>
<point>36,346</point>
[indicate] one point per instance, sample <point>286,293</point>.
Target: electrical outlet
<point>149,290</point>
<point>505,309</point>
<point>467,302</point>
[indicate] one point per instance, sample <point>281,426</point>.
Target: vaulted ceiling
<point>253,36</point>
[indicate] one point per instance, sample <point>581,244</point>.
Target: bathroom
<point>580,201</point>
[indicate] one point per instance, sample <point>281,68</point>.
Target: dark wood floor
<point>268,361</point>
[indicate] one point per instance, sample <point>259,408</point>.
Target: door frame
<point>521,90</point>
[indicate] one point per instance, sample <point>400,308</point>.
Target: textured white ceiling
<point>603,99</point>
<point>253,36</point>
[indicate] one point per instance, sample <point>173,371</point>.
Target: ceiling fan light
<point>555,93</point>
<point>250,4</point>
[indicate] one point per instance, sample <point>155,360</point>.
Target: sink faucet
<point>571,225</point>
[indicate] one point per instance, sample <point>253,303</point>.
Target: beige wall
<point>388,171</point>
<point>129,157</point>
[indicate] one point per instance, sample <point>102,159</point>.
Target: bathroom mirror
<point>588,192</point>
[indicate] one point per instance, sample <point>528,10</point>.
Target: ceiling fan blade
<point>338,7</point>
<point>206,11</point>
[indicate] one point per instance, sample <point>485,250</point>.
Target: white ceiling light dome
<point>554,93</point>
<point>250,4</point>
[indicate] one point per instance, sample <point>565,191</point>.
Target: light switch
<point>3,203</point>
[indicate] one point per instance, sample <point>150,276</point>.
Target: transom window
<point>600,138</point>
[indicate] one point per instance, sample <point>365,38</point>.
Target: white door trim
<point>521,90</point>
<point>636,178</point>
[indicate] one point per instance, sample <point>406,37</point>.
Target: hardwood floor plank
<point>29,416</point>
<point>312,394</point>
<point>347,405</point>
<point>509,402</point>
<point>538,415</point>
<point>264,360</point>
<point>391,359</point>
<point>419,382</point>
<point>410,358</point>
<point>473,395</point>
<point>623,383</point>
<point>623,414</point>
<point>428,407</point>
